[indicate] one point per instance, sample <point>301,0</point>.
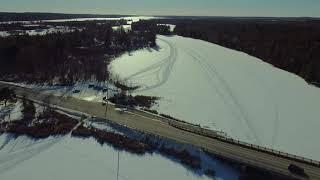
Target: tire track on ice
<point>229,99</point>
<point>276,113</point>
<point>162,69</point>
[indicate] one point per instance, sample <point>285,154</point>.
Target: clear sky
<point>309,8</point>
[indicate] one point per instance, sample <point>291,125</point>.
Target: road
<point>154,125</point>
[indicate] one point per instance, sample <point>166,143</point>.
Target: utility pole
<point>106,99</point>
<point>118,165</point>
<point>107,95</point>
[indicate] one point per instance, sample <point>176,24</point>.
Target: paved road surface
<point>154,125</point>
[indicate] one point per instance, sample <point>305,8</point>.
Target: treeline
<point>80,24</point>
<point>45,25</point>
<point>292,45</point>
<point>151,26</point>
<point>19,26</point>
<point>8,16</point>
<point>67,57</point>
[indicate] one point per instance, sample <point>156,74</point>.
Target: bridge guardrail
<point>217,135</point>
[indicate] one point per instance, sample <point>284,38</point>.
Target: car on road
<point>121,110</point>
<point>296,170</point>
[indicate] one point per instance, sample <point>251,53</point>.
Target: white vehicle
<point>121,110</point>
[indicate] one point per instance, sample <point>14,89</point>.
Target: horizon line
<point>155,15</point>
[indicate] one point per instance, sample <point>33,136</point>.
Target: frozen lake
<point>227,90</point>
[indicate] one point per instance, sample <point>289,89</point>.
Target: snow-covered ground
<point>226,90</point>
<point>41,32</point>
<point>125,27</point>
<point>63,29</point>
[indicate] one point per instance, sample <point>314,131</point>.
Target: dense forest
<point>292,44</point>
<point>68,57</point>
<point>151,26</point>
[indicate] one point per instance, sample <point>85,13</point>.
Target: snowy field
<point>226,90</point>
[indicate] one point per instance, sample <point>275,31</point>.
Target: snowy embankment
<point>226,90</point>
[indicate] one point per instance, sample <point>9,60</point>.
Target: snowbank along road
<point>155,126</point>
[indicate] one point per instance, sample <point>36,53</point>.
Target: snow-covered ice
<point>227,90</point>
